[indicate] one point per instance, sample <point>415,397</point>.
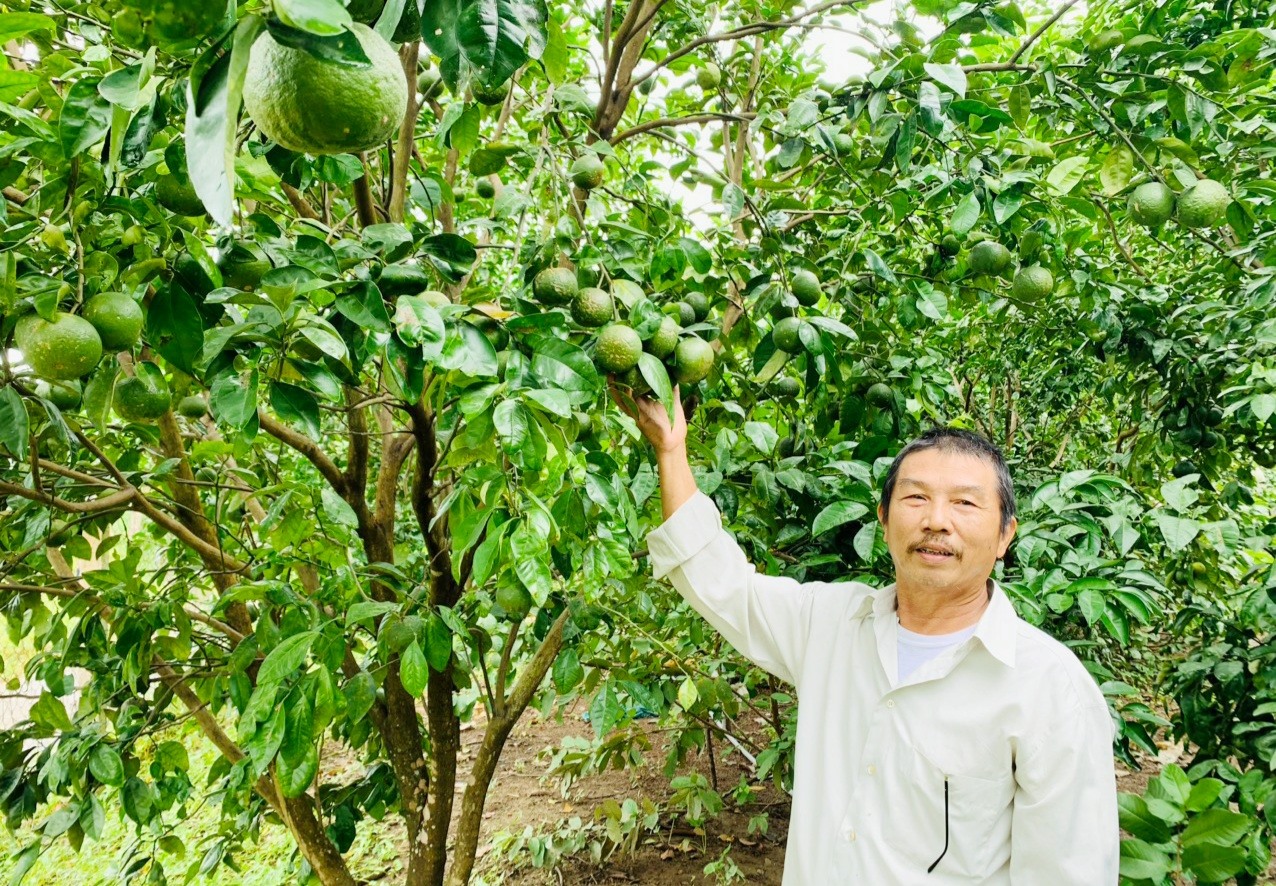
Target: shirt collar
<point>997,629</point>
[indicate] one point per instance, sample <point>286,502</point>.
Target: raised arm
<point>765,617</point>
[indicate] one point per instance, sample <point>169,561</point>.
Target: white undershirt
<point>914,650</point>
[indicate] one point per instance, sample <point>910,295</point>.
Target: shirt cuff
<point>686,533</point>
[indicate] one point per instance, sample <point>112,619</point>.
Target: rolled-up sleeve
<point>766,618</point>
<point>1064,829</point>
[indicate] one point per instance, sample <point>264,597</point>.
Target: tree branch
<point>409,54</point>
<point>1023,47</point>
<point>666,122</point>
<point>299,202</point>
<point>112,502</point>
<point>307,447</point>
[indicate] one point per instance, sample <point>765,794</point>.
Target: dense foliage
<point>360,475</point>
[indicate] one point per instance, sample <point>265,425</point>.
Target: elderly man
<point>941,739</point>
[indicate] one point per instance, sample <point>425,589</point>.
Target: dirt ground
<point>672,857</point>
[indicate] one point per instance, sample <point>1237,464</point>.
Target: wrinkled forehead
<point>936,470</point>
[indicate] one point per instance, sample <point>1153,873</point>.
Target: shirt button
<point>850,835</point>
<point>872,770</point>
<point>890,702</point>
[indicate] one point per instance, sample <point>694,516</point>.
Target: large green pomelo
<point>316,106</point>
<point>117,318</point>
<point>67,348</point>
<point>1204,204</point>
<point>1151,204</point>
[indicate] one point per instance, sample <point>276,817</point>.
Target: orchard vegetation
<point>309,312</point>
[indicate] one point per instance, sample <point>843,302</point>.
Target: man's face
<point>944,528</point>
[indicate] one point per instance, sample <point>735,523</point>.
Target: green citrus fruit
<point>484,189</point>
<point>699,305</point>
<point>62,394</point>
<point>949,245</point>
<point>592,307</point>
<point>709,76</point>
<point>786,386</point>
<point>1151,204</point>
<point>192,406</point>
<point>67,348</point>
<point>618,348</point>
<point>806,287</point>
<point>435,298</point>
<point>692,360</point>
<point>684,313</point>
<point>843,143</point>
<point>1106,40</point>
<point>1203,205</point>
<point>587,171</point>
<point>429,83</point>
<point>555,286</point>
<point>787,335</point>
<point>515,599</point>
<point>490,95</point>
<point>666,338</point>
<point>243,266</point>
<point>315,106</point>
<point>1183,468</point>
<point>117,318</point>
<point>1032,283</point>
<point>142,398</point>
<point>989,257</point>
<point>880,395</point>
<point>178,196</point>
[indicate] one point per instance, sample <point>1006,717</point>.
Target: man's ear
<point>1006,537</point>
<point>881,514</point>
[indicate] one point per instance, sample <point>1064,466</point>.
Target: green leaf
<point>419,324</point>
<point>106,765</point>
<point>1020,105</point>
<point>1213,863</point>
<point>1091,604</point>
<point>1117,170</point>
<point>657,378</point>
<point>49,713</point>
<point>567,670</point>
<point>296,406</point>
<point>1067,174</point>
<point>438,643</point>
<point>1220,826</point>
<point>1177,531</point>
<point>1142,861</point>
<point>762,435</point>
<point>836,514</point>
<point>688,695</point>
<point>878,267</point>
<point>966,214</point>
<point>84,119</point>
<point>286,658</point>
<point>233,401</point>
<point>555,56</point>
<point>15,84</point>
<point>468,350</point>
<point>605,711</point>
<point>562,364</point>
<point>18,24</point>
<point>14,426</point>
<point>360,693</point>
<point>487,39</point>
<point>323,17</point>
<point>1137,819</point>
<point>368,609</point>
<point>950,76</point>
<point>174,328</point>
<point>452,254</point>
<point>513,424</point>
<point>296,775</point>
<point>414,673</point>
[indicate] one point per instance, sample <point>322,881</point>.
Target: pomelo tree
<point>356,474</point>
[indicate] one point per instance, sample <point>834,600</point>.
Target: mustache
<point>935,546</point>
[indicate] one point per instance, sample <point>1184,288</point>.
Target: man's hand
<point>668,438</point>
<point>653,419</point>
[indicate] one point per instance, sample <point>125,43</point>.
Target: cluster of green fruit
<point>1201,205</point>
<point>617,346</point>
<point>1193,423</point>
<point>805,289</point>
<point>67,347</point>
<point>1031,282</point>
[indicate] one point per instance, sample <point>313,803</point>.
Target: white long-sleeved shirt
<point>1000,748</point>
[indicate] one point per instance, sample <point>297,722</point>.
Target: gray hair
<point>965,443</point>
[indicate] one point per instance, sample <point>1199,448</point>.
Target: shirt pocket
<point>942,821</point>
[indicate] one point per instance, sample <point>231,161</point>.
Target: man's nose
<point>938,517</point>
